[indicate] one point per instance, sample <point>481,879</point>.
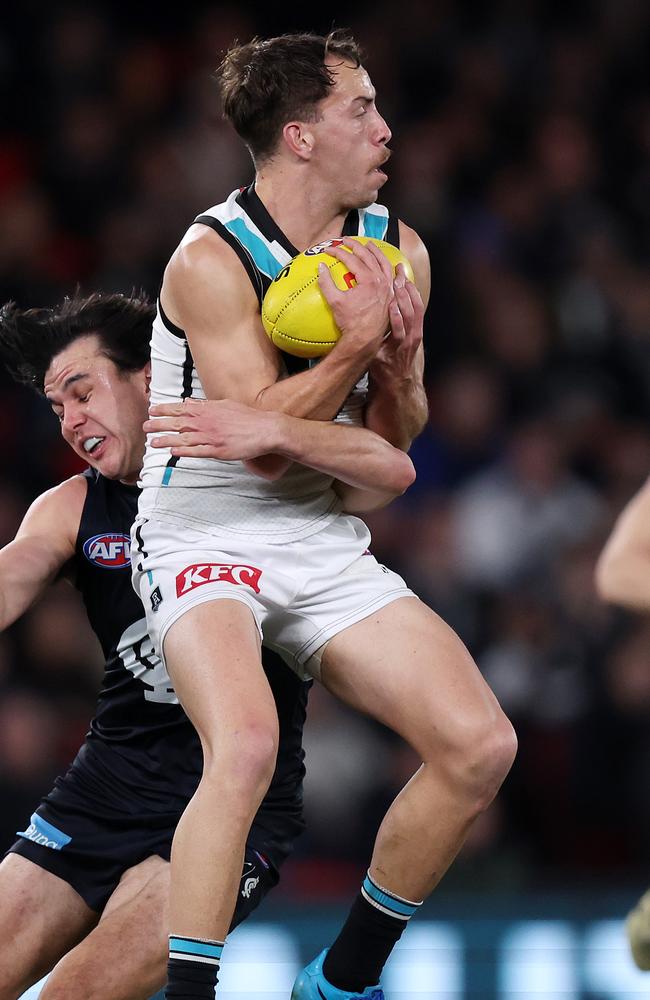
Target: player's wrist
<point>280,436</point>
<point>359,344</point>
<point>385,377</point>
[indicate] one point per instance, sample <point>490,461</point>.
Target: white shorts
<point>301,593</point>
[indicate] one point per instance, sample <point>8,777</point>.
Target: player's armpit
<point>43,545</point>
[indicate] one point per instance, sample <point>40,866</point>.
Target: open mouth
<point>92,445</point>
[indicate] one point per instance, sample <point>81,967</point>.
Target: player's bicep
<point>44,544</point>
<point>212,299</point>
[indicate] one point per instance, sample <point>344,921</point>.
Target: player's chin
<point>376,181</point>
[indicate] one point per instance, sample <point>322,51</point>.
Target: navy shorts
<point>89,843</point>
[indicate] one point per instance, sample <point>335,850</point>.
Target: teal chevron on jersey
<point>258,248</point>
<point>373,222</point>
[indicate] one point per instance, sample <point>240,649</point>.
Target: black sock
<point>190,980</point>
<point>373,928</point>
<point>358,955</point>
<point>192,969</point>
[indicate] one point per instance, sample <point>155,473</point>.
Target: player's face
<point>101,409</point>
<point>351,137</point>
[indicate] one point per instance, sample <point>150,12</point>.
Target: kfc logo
<point>200,573</point>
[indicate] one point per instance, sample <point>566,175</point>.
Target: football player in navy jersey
<point>87,880</point>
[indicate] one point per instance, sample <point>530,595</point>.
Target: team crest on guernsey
<point>110,551</point>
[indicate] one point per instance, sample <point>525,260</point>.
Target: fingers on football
<point>396,319</point>
<point>368,259</point>
<point>416,299</point>
<point>326,284</point>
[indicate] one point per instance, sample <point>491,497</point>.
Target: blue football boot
<point>311,984</point>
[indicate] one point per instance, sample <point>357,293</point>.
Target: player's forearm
<point>624,579</point>
<point>319,392</point>
<point>316,394</point>
<point>397,410</point>
<point>18,588</point>
<point>353,455</point>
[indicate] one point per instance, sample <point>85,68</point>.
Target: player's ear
<point>146,371</point>
<point>299,139</point>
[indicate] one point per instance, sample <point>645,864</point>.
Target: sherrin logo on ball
<point>295,313</point>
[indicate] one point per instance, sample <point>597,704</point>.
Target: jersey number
<point>136,652</point>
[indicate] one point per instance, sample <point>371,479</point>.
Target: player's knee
<point>486,759</point>
<point>247,762</point>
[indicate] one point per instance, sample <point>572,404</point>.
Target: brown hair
<point>268,82</point>
<point>30,338</point>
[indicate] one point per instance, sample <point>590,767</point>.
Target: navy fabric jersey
<point>141,747</point>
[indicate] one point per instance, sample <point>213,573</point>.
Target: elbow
<point>268,467</point>
<point>610,582</point>
<point>404,474</point>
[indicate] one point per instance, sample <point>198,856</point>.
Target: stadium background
<point>522,155</point>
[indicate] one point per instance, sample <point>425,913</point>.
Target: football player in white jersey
<point>214,582</point>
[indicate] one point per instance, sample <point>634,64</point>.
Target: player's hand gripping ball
<point>295,313</point>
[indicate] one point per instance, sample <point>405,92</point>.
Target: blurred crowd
<point>521,137</point>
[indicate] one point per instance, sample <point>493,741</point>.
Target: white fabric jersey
<point>223,496</point>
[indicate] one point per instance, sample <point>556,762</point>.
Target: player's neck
<point>302,211</point>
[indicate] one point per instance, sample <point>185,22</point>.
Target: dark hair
<point>271,81</point>
<point>31,338</point>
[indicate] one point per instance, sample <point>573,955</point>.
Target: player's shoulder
<point>205,265</point>
<point>57,512</point>
<point>65,499</point>
<point>206,246</point>
<point>411,243</point>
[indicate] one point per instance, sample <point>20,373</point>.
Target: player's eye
<point>84,398</point>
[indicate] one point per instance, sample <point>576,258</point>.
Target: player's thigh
<point>42,916</point>
<point>125,956</point>
<point>213,657</point>
<point>404,666</point>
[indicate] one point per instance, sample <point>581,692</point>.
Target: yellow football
<point>295,313</point>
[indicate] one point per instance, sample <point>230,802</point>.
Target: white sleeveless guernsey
<point>223,497</point>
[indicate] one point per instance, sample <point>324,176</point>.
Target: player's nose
<point>73,417</point>
<point>384,134</point>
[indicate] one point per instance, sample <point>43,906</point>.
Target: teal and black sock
<point>373,928</point>
<point>192,970</point>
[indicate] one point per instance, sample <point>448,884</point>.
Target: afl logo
<point>322,247</point>
<point>110,551</point>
